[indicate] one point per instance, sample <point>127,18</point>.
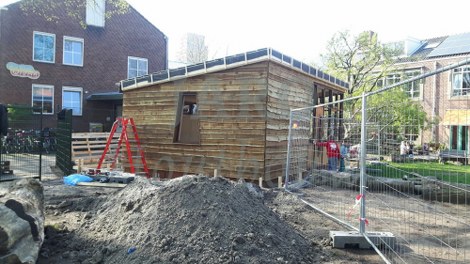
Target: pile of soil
<point>192,219</point>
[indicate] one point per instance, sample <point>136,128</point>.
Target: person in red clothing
<point>332,151</point>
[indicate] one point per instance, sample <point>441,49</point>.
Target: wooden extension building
<point>229,114</point>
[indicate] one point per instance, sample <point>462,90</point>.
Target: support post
<point>320,123</point>
<point>336,117</point>
<point>378,142</point>
<point>314,121</point>
<point>363,179</point>
<point>288,150</point>
<point>341,115</point>
<point>40,148</point>
<point>330,100</point>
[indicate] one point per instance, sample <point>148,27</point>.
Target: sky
<point>299,28</point>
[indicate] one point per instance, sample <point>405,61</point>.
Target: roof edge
<point>229,62</point>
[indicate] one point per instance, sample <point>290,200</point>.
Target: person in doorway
<point>332,152</point>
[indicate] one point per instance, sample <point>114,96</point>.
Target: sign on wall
<point>22,70</point>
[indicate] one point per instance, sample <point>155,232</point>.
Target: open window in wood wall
<point>187,120</point>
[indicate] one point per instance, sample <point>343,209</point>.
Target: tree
<point>365,63</point>
<point>193,49</point>
<point>73,8</point>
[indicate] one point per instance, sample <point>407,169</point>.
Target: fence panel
<point>21,150</point>
<point>414,167</point>
<point>64,141</point>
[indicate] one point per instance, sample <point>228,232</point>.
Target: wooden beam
<point>336,121</point>
<point>330,99</point>
<point>320,125</point>
<point>341,116</point>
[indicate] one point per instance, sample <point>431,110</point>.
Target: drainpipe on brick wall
<point>1,9</point>
<point>166,59</point>
<point>434,98</point>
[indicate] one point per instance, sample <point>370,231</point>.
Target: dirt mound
<point>191,219</point>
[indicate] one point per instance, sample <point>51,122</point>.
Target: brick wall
<point>105,58</point>
<point>440,94</point>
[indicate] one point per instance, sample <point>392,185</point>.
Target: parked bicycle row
<point>28,141</point>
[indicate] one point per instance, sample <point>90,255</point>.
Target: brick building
<point>59,64</point>
<point>446,96</point>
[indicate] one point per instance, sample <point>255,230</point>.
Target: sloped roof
<point>452,45</point>
<point>439,47</point>
<point>238,60</point>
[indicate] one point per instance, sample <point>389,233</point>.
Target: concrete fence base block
<point>353,239</point>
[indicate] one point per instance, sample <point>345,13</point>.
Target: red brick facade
<point>105,59</point>
<point>436,96</point>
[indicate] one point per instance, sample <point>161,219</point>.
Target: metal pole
<point>362,184</point>
<point>288,150</point>
<point>378,142</point>
<point>42,145</point>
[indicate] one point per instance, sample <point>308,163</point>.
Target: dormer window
<point>95,12</point>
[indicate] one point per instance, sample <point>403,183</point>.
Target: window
<point>412,89</point>
<point>388,80</point>
<point>43,98</point>
<point>72,99</point>
<point>461,81</point>
<point>73,51</point>
<point>187,120</point>
<point>95,12</point>
<point>136,67</point>
<point>44,47</point>
<point>392,79</point>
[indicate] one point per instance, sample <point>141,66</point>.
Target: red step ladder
<point>123,123</point>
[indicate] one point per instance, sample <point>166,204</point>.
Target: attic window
<point>187,120</point>
<point>95,11</point>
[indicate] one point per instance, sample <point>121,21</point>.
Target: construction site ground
<point>192,219</point>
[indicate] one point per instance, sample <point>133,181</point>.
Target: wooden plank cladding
<point>231,114</point>
<point>234,120</point>
<point>287,89</point>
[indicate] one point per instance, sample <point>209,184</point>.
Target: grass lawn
<point>444,172</point>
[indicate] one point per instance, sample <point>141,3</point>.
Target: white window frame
<point>461,71</point>
<point>32,97</point>
<point>392,78</point>
<point>73,39</point>
<point>95,13</point>
<point>73,89</point>
<point>34,45</point>
<point>419,83</point>
<point>137,59</point>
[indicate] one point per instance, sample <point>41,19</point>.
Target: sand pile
<point>192,219</point>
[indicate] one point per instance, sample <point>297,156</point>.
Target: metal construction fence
<point>28,149</point>
<point>388,171</point>
<point>64,141</point>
